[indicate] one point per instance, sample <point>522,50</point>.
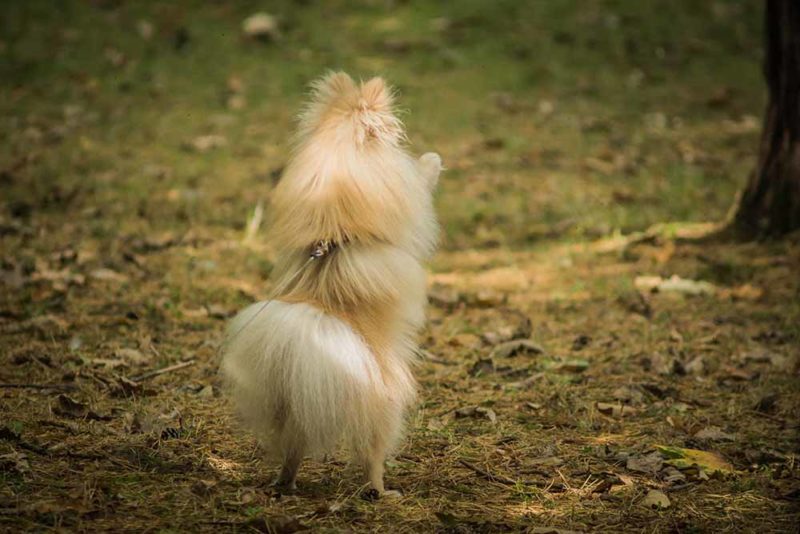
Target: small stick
<point>163,370</point>
<point>551,486</point>
<point>434,359</point>
<point>486,474</point>
<point>38,386</point>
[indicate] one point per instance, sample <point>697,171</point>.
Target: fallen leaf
<point>194,313</point>
<point>696,366</point>
<point>219,312</point>
<point>630,394</point>
<point>443,296</point>
<point>108,275</point>
<point>207,392</point>
<point>673,476</point>
<point>764,356</point>
<point>482,366</point>
<point>685,458</point>
<point>674,284</point>
<point>713,433</point>
<point>547,461</point>
<point>650,464</point>
<point>660,364</point>
<point>488,413</point>
<point>133,356</point>
<point>615,410</point>
<point>658,391</point>
<point>436,423</point>
<point>569,366</point>
<point>69,407</point>
<point>744,292</point>
<point>487,298</point>
<point>516,347</point>
<point>108,363</point>
<point>477,412</point>
<point>125,387</point>
<point>466,340</point>
<point>736,374</point>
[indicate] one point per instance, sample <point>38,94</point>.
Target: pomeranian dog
<point>327,360</point>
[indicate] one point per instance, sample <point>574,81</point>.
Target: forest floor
<point>593,361</point>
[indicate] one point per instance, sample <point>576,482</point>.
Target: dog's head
<point>347,112</point>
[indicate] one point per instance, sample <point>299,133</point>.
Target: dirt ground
<point>589,364</point>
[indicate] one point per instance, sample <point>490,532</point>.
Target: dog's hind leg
<point>374,457</point>
<point>292,458</point>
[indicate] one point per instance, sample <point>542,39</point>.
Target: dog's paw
<point>284,486</point>
<point>372,494</point>
<point>430,164</point>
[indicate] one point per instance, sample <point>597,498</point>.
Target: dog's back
<point>329,356</point>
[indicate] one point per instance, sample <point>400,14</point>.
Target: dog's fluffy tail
<point>304,378</point>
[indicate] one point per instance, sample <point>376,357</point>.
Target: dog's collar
<point>322,248</point>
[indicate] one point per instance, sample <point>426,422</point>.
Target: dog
<point>327,361</point>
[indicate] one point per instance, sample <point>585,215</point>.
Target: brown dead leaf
<point>69,407</point>
<point>649,464</point>
<point>477,412</point>
<point>481,367</point>
<point>443,296</point>
<point>616,410</point>
<point>108,275</point>
<point>516,347</point>
<point>629,394</point>
<point>713,433</point>
<point>735,374</point>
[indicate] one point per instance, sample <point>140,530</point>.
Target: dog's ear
<point>333,85</point>
<point>376,95</point>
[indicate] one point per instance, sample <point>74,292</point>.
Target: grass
<point>565,126</point>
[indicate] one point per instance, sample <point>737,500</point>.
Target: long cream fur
<point>327,361</point>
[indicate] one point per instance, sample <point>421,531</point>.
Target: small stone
<point>262,26</point>
<point>656,499</point>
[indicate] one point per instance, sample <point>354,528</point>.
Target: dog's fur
<point>327,360</point>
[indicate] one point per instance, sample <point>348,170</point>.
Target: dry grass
<point>166,455</point>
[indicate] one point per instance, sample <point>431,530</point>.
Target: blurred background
<point>556,119</point>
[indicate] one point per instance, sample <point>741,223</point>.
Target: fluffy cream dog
<point>326,361</point>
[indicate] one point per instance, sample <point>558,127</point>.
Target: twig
<point>502,479</point>
<point>433,359</point>
<point>163,370</point>
<point>771,417</point>
<point>486,474</point>
<point>38,386</point>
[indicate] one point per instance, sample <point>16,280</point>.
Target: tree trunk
<point>770,204</point>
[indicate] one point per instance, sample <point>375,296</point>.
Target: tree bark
<point>770,204</point>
